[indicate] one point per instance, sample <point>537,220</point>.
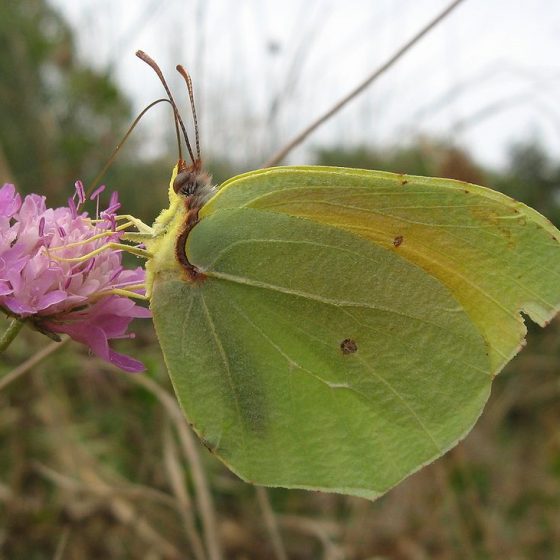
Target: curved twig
<point>283,152</point>
<point>188,444</point>
<point>17,372</point>
<point>271,523</point>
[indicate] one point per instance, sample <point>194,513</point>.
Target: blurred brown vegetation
<point>95,463</point>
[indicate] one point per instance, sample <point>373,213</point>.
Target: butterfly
<point>336,329</point>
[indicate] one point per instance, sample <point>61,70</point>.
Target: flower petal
<point>43,272</point>
<point>126,363</point>
<point>51,298</point>
<point>10,201</point>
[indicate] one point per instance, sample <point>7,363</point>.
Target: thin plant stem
<point>188,444</point>
<point>10,333</point>
<point>62,542</point>
<point>121,509</point>
<point>32,362</point>
<point>271,523</point>
<point>283,152</point>
<point>178,484</point>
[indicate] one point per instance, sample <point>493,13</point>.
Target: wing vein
<point>315,297</point>
<point>332,387</point>
<point>227,367</point>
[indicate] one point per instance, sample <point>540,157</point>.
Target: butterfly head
<point>193,183</point>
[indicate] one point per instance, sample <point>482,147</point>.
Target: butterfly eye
<point>182,182</point>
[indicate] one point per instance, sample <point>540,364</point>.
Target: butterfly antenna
<point>188,80</point>
<point>150,62</point>
<point>112,157</point>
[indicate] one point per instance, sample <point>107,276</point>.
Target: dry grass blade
<point>6,493</point>
<point>188,444</point>
<point>73,457</point>
<point>282,153</point>
<point>104,490</point>
<point>124,512</point>
<point>29,364</point>
<point>320,530</point>
<point>271,523</point>
<point>177,480</point>
<point>61,547</point>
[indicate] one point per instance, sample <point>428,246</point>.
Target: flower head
<point>49,276</point>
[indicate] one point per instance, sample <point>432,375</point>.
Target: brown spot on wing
<point>348,346</point>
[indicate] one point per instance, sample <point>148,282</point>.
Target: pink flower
<point>59,296</point>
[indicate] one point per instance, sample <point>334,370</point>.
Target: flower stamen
<point>96,195</point>
<point>80,192</point>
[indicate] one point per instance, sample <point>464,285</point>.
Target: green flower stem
<point>11,332</point>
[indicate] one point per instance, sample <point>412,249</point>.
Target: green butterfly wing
<point>350,322</point>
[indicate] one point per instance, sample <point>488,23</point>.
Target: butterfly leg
<point>129,292</point>
<point>111,245</point>
<point>90,239</point>
<point>137,223</point>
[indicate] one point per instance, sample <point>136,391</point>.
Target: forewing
<point>497,256</point>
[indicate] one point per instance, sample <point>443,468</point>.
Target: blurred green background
<point>95,463</point>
